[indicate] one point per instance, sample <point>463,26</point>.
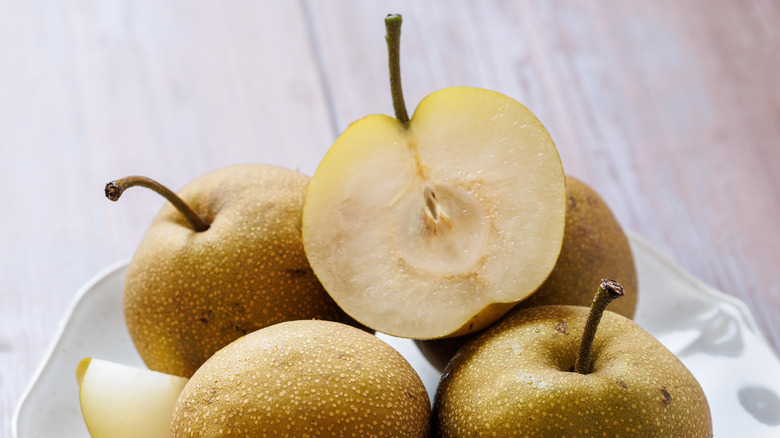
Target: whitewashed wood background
<point>669,109</point>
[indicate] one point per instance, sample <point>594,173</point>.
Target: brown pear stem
<point>608,291</point>
<point>393,38</point>
<point>115,188</point>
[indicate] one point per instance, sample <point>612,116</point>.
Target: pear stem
<point>393,38</point>
<point>115,188</point>
<point>608,290</point>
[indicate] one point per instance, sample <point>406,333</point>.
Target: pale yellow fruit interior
<point>416,231</point>
<point>120,401</point>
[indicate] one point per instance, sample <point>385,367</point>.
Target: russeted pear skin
<point>304,379</point>
<point>594,247</point>
<point>188,294</point>
<point>516,379</point>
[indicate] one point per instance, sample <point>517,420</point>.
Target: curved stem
<point>393,38</point>
<point>608,291</point>
<point>115,188</point>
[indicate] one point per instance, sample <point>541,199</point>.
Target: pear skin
<point>516,379</point>
<point>188,293</point>
<point>304,378</point>
<point>594,247</point>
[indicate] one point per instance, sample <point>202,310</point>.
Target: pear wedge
<point>121,401</point>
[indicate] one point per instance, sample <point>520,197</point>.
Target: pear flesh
<point>304,378</point>
<point>437,228</point>
<point>121,401</point>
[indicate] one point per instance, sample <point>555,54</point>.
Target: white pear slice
<point>120,401</point>
<point>437,228</point>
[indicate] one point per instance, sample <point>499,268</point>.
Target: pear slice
<point>121,401</point>
<point>437,227</point>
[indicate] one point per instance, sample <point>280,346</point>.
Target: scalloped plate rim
<point>636,241</point>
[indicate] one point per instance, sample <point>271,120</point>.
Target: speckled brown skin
<point>188,293</point>
<point>514,380</point>
<point>594,247</point>
<point>304,378</point>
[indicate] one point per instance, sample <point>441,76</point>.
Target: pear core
<point>441,230</point>
<point>438,227</point>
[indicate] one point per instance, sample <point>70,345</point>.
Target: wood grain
<point>670,110</point>
<point>95,90</point>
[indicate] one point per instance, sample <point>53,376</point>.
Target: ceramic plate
<point>712,333</point>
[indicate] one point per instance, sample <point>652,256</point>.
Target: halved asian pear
<point>437,227</point>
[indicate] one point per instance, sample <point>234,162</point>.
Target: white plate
<point>712,333</point>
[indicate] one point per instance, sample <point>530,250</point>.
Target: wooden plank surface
<point>94,90</point>
<point>670,110</point>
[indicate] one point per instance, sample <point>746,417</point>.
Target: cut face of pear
<point>120,401</point>
<point>438,228</point>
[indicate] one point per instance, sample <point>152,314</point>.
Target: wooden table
<point>670,110</point>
